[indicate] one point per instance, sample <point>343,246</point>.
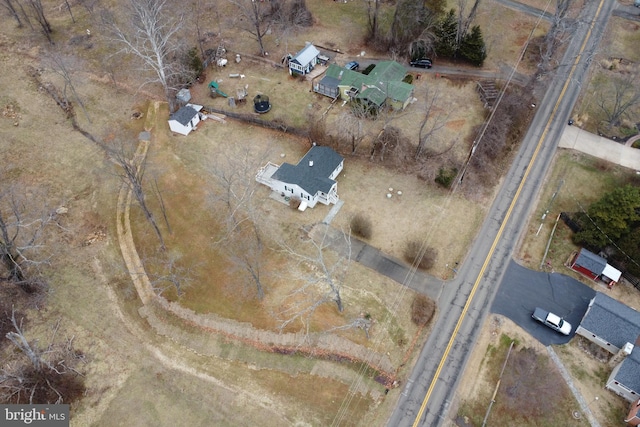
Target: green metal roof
<point>334,71</point>
<point>400,91</point>
<point>387,71</point>
<point>384,81</point>
<point>353,79</point>
<point>373,95</point>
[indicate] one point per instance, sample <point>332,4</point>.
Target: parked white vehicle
<point>552,320</point>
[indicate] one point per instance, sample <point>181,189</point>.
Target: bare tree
<point>38,13</point>
<point>323,265</point>
<point>351,125</point>
<point>167,273</point>
<point>245,247</point>
<point>373,13</point>
<point>288,17</point>
<point>259,21</point>
<point>151,36</point>
<point>131,172</point>
<point>618,96</point>
<point>22,234</point>
<point>89,4</point>
<point>8,4</point>
<point>435,118</point>
<point>132,169</point>
<point>390,140</point>
<point>60,66</point>
<point>559,33</point>
<point>424,44</point>
<point>196,9</point>
<point>242,237</point>
<point>464,21</point>
<point>66,2</point>
<point>412,20</point>
<point>48,376</point>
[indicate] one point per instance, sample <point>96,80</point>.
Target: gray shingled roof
<point>629,373</point>
<point>612,320</point>
<point>591,261</point>
<point>311,178</point>
<point>184,115</point>
<point>306,55</point>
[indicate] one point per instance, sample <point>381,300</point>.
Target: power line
<point>344,406</point>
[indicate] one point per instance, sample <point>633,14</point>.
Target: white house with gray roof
<point>185,119</point>
<point>615,327</point>
<point>625,377</point>
<point>311,180</point>
<point>609,323</point>
<point>304,61</point>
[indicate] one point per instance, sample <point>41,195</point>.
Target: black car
<point>421,63</point>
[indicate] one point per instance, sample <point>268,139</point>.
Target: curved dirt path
<point>315,345</point>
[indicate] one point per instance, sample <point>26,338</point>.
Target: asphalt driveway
<point>522,290</point>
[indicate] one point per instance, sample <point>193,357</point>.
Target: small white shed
<point>304,61</point>
<point>185,119</point>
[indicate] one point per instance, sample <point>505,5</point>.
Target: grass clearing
<point>589,376</point>
<point>621,38</point>
<point>531,392</point>
<point>505,32</point>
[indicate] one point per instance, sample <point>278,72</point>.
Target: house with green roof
<point>383,85</point>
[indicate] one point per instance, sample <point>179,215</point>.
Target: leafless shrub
<point>317,127</point>
<point>362,226</point>
<point>387,142</point>
<point>290,13</point>
<point>40,375</point>
<point>602,165</point>
<point>294,203</point>
<point>422,310</point>
<point>499,136</point>
<point>24,230</point>
<point>417,253</point>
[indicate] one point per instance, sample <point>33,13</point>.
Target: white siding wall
<point>294,191</point>
<point>618,388</point>
<point>177,127</point>
<point>597,340</point>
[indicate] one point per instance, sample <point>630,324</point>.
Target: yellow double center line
<point>503,225</point>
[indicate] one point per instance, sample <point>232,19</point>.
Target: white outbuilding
<point>185,119</point>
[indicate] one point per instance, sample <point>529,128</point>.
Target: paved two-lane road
<point>428,393</point>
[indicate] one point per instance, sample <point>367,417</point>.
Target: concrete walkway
<point>597,146</point>
<point>576,393</point>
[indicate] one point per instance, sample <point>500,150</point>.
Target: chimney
<point>310,163</point>
<point>621,354</point>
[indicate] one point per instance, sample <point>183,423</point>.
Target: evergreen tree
<point>473,48</point>
<point>194,62</point>
<point>630,256</point>
<point>446,35</point>
<point>611,218</point>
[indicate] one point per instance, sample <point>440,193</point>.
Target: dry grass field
<point>619,60</point>
<point>529,376</point>
<point>132,373</point>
